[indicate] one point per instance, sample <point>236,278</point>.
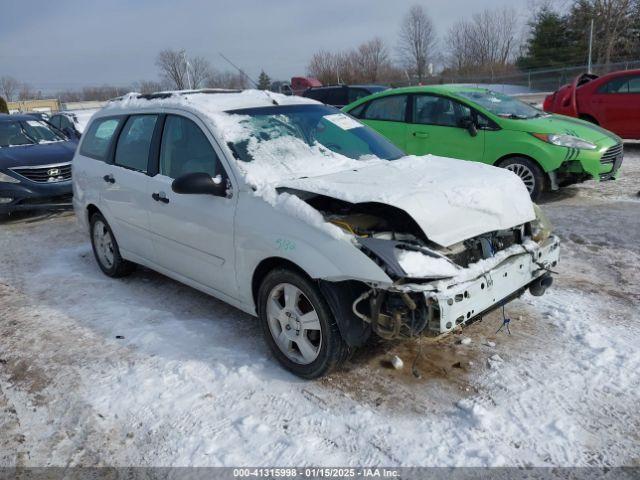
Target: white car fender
<point>264,232</point>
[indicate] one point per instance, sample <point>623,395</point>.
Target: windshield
<point>502,105</point>
<point>315,128</point>
<point>26,132</point>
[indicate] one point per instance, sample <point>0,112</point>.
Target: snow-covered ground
<point>146,371</point>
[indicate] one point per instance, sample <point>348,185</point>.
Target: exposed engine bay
<point>418,304</point>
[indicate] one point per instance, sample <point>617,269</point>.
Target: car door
<point>192,234</point>
<point>633,108</point>
<point>387,115</point>
<point>437,128</point>
<point>125,198</point>
<point>616,105</point>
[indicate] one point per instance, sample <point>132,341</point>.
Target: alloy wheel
<point>294,323</point>
<point>525,174</point>
<point>103,242</point>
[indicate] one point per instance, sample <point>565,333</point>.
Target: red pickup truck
<point>611,101</point>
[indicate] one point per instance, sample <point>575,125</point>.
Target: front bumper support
<point>458,304</point>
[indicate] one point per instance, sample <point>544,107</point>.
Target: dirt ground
<point>146,371</point>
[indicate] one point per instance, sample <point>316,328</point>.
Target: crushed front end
<point>434,289</point>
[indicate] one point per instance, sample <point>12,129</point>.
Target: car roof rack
<point>163,95</point>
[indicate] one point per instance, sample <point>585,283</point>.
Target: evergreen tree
<point>3,106</point>
<point>548,43</point>
<point>264,82</point>
<point>557,40</point>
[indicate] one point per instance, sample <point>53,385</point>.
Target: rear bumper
<point>46,196</point>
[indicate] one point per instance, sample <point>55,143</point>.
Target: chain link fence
<point>541,80</point>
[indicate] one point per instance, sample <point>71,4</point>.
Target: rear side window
<point>617,85</point>
<point>98,138</point>
<point>318,95</point>
<point>357,94</point>
<point>336,96</point>
<point>391,108</point>
<point>55,121</point>
<point>634,85</point>
<point>65,122</point>
<point>132,150</point>
<point>186,149</point>
<point>357,112</point>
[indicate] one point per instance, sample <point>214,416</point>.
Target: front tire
<point>298,325</point>
<point>529,172</point>
<point>105,249</point>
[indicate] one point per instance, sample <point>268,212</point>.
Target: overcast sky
<point>69,44</point>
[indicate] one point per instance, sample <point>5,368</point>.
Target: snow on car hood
<point>451,200</point>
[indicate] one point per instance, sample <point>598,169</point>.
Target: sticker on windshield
<point>33,123</point>
<point>343,121</point>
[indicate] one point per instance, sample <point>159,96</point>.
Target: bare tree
<point>173,68</point>
<point>368,63</point>
<point>27,92</point>
<point>149,86</point>
<point>226,80</point>
<point>417,41</point>
<point>9,87</point>
<point>199,70</point>
<point>485,43</point>
<point>613,16</point>
<point>325,66</point>
<point>371,58</point>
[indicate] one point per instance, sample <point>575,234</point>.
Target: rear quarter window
<point>97,140</point>
<point>318,95</point>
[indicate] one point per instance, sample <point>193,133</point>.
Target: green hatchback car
<point>546,151</point>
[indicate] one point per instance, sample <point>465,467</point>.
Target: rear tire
<point>529,172</point>
<point>298,325</point>
<point>105,249</point>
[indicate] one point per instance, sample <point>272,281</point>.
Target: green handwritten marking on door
<point>285,245</point>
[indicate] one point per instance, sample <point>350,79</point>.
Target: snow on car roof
<point>206,100</point>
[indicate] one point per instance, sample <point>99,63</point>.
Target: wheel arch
<point>509,156</point>
<point>338,295</point>
<point>588,118</point>
<point>91,210</point>
<point>549,176</point>
<point>267,265</point>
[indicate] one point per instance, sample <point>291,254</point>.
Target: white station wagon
<point>297,213</point>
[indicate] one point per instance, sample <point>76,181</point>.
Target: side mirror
<point>467,122</point>
<point>200,183</point>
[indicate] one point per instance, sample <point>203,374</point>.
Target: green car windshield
<point>501,105</point>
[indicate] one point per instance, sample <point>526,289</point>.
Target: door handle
<point>109,178</point>
<point>421,134</point>
<point>160,197</point>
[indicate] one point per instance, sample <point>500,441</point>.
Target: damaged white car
<point>299,214</point>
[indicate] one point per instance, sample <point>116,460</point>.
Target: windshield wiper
<point>33,140</point>
<point>513,116</point>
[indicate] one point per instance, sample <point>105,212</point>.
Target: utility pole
<point>590,47</point>
<point>188,67</point>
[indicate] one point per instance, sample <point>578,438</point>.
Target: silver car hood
<point>451,200</point>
